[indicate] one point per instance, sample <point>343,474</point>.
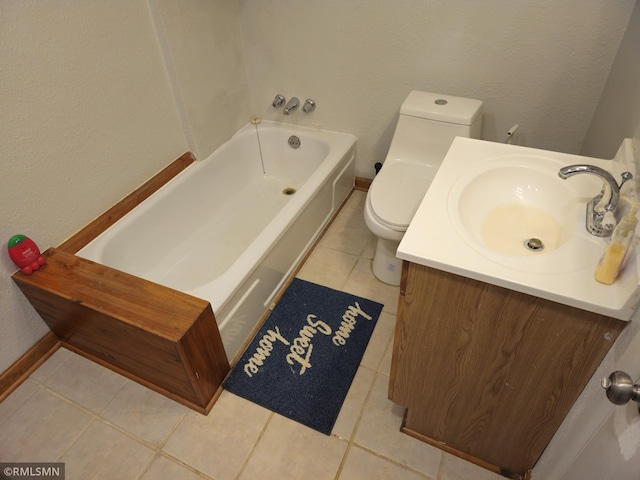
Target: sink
<point>500,214</point>
<point>517,205</point>
<point>516,211</point>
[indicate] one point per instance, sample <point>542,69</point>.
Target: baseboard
<point>17,373</point>
<point>469,458</point>
<point>362,183</point>
<point>464,456</point>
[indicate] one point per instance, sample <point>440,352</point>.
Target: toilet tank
<point>429,122</point>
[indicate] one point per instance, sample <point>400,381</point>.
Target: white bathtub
<point>224,231</point>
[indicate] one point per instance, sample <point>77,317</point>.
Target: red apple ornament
<point>25,254</point>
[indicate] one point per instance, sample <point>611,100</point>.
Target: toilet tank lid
<point>442,108</point>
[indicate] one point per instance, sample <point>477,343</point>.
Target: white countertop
<point>564,275</point>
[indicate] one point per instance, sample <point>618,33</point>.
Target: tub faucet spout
<point>291,105</point>
<point>603,203</point>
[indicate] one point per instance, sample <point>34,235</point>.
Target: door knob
<point>620,388</point>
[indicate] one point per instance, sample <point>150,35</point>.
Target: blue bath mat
<point>302,361</point>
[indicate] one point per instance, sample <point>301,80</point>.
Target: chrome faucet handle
<point>309,106</point>
<point>626,176</point>
<point>614,196</point>
<point>278,101</point>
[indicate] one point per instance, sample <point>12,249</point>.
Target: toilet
<point>427,125</point>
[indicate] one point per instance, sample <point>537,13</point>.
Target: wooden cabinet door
<point>489,371</point>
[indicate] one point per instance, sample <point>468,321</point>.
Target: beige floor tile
<point>382,335</point>
<point>42,429</point>
<point>85,382</point>
<point>290,450</point>
<point>348,233</point>
<point>355,205</point>
<point>143,412</point>
<point>379,431</point>
<point>370,248</point>
<point>363,283</point>
<point>352,406</point>
<point>102,452</point>
<point>328,267</point>
<point>361,464</point>
<point>385,364</point>
<point>14,401</point>
<point>218,444</point>
<point>454,468</point>
<point>53,363</point>
<point>163,469</point>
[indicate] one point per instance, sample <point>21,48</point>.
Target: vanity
<point>495,340</point>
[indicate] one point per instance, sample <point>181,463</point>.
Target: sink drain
<point>534,244</point>
<point>289,191</point>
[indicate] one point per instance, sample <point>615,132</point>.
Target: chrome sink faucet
<point>291,105</point>
<point>603,203</point>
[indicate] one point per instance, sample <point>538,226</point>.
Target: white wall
<point>618,113</point>
<point>89,114</point>
<point>205,53</point>
<point>541,64</point>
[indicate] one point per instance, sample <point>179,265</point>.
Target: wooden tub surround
<point>159,337</point>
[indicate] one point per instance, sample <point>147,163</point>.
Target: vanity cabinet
<point>488,373</point>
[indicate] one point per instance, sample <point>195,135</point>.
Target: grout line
<point>98,417</point>
<point>11,413</point>
<point>147,466</point>
<point>441,466</point>
<point>182,464</point>
<point>157,449</point>
<point>255,445</point>
<point>117,391</point>
<point>53,372</point>
<point>66,450</point>
<point>164,441</point>
<point>352,441</point>
<point>352,437</point>
<point>395,462</point>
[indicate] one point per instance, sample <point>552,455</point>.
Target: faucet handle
<point>626,176</point>
<point>278,101</point>
<point>309,105</point>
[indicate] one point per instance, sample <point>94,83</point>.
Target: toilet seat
<point>396,193</point>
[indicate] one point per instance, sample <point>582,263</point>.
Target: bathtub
<point>231,228</point>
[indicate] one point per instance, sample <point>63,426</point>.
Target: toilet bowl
<point>426,126</point>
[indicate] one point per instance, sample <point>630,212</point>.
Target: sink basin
<point>515,210</point>
<point>500,214</point>
<point>515,205</point>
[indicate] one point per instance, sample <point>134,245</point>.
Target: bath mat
<point>302,361</point>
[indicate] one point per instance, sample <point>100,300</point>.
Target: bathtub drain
<point>294,142</point>
<point>289,191</point>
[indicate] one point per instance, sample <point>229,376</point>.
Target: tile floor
<point>104,426</point>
